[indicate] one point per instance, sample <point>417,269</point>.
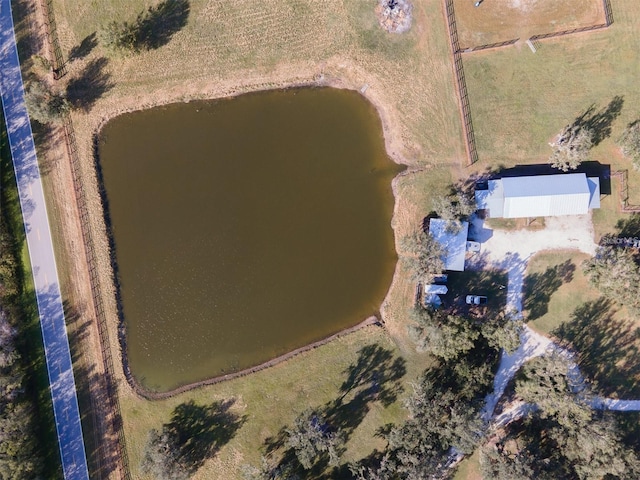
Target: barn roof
<point>540,196</point>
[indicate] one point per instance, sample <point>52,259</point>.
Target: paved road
<point>36,224</point>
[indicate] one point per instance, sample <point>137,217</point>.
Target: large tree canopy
<point>571,148</point>
<point>615,273</point>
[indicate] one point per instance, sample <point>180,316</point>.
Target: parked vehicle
<point>476,300</point>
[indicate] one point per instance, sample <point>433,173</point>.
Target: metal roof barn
<point>540,196</point>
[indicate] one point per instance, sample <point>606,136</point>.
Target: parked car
<point>476,300</point>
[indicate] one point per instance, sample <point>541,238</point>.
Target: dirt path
<point>511,251</point>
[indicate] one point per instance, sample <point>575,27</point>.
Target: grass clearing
<point>502,20</point>
<point>469,468</point>
<point>521,100</point>
<point>554,286</point>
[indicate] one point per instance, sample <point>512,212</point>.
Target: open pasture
<point>501,20</point>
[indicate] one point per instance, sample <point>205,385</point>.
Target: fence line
<point>568,32</point>
<point>59,70</point>
<point>59,66</point>
<point>476,48</point>
<point>623,194</point>
<point>608,12</point>
<point>90,252</point>
<point>465,109</point>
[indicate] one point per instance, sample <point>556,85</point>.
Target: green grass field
<point>271,399</point>
<point>521,100</point>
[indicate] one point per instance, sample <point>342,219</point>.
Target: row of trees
<point>19,451</point>
<point>449,336</point>
<point>615,273</point>
<point>444,412</point>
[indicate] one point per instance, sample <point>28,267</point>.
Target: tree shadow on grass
<point>84,48</point>
<point>375,376</point>
<point>608,348</point>
<point>92,83</point>
<point>155,27</point>
<point>538,288</point>
<point>194,434</point>
<point>629,226</point>
<point>599,122</point>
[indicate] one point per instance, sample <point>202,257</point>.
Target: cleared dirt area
<point>500,20</point>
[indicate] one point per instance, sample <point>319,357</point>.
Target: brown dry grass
<point>500,20</point>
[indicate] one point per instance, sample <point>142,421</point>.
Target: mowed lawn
<point>520,100</point>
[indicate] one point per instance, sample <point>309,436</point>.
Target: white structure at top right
<point>539,196</point>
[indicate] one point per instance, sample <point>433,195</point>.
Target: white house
<point>453,243</point>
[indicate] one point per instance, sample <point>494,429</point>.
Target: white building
<point>540,196</point>
<point>453,243</point>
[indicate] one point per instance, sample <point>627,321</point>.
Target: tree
<point>311,440</point>
<point>630,143</point>
<point>152,28</point>
<point>194,434</point>
<point>544,382</point>
<point>425,255</point>
<point>502,332</point>
<point>571,148</point>
<point>614,272</point>
<point>445,336</point>
<point>454,208</point>
<point>45,105</point>
<point>566,431</point>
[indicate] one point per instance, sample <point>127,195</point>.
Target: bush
<point>630,143</point>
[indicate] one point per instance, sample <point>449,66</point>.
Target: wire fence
<point>59,70</point>
<point>463,96</point>
<point>608,12</point>
<point>608,17</point>
<point>59,66</point>
<point>623,176</point>
<point>476,48</point>
<point>101,320</point>
<point>568,32</point>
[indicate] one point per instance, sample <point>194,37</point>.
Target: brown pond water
<point>245,228</point>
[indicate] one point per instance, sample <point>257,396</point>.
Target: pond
<point>245,228</point>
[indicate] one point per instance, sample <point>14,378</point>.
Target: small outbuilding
<point>452,240</point>
<point>539,196</point>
